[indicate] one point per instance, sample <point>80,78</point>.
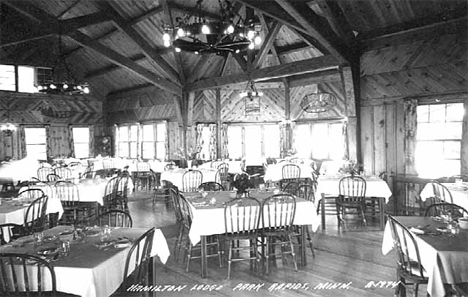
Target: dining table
<point>92,268</point>
<point>208,218</point>
<point>13,210</point>
<point>459,193</point>
<point>375,188</point>
<point>175,175</point>
<point>444,256</point>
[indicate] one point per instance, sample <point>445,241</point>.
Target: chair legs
<point>341,211</point>
<point>285,241</point>
<point>213,242</point>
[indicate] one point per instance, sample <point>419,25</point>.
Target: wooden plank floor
<point>347,263</point>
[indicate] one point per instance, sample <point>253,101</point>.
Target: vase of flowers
<point>242,182</point>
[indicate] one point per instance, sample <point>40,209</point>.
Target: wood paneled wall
<point>431,71</point>
<point>58,112</point>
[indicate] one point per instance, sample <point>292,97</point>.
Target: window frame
<point>44,144</point>
<point>243,126</point>
<point>75,142</point>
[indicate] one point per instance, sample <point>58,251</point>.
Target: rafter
<point>146,48</point>
<point>273,48</point>
<point>267,45</point>
<point>278,71</point>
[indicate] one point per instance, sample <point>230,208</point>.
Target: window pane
<point>7,78</point>
<point>422,112</point>
<point>161,132</point>
<point>455,112</point>
<point>303,141</point>
<point>320,136</point>
<point>36,143</point>
<point>133,133</point>
<point>81,134</point>
<point>148,133</point>
<point>160,151</point>
<point>123,150</point>
<point>133,150</point>
<point>253,144</point>
<point>235,142</point>
<point>452,149</point>
<point>81,142</point>
<point>205,147</point>
<point>271,139</point>
<point>81,150</point>
<point>26,79</point>
<point>336,141</point>
<point>437,113</point>
<point>123,133</point>
<point>148,150</point>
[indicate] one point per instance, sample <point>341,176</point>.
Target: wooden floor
<point>348,263</point>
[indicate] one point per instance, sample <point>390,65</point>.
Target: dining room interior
<point>234,147</point>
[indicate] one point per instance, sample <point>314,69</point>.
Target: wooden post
<point>464,141</point>
<point>287,116</point>
<point>219,140</point>
<point>350,112</point>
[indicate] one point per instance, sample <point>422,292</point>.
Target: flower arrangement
<point>351,167</point>
<point>242,182</point>
<point>192,153</point>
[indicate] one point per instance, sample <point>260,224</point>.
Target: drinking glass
<point>38,238</point>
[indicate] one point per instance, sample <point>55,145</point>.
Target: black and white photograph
<point>279,148</point>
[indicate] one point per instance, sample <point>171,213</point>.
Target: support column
<point>350,112</point>
<point>219,140</point>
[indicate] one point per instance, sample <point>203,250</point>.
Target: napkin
<point>416,230</point>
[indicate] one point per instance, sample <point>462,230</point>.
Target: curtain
<point>410,106</point>
<point>199,138</point>
<point>213,143</point>
<point>91,141</point>
<point>48,142</point>
<point>71,142</point>
<point>22,152</point>
<point>283,140</point>
<point>225,141</point>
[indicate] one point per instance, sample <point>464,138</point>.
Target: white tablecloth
<point>459,193</point>
<point>100,273</point>
<point>10,213</point>
<point>175,176</point>
<point>235,167</point>
<point>448,263</point>
<point>375,187</point>
<point>274,172</point>
<point>210,220</point>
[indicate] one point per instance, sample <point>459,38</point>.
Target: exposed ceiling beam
<point>46,29</point>
<point>73,5</point>
<point>332,11</point>
<point>267,73</point>
<point>125,62</point>
<point>106,70</point>
<point>305,16</point>
<point>267,45</point>
<point>273,47</point>
<point>292,48</point>
<point>448,16</point>
<point>146,48</point>
<point>320,77</point>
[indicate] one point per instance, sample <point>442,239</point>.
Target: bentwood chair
<point>116,194</point>
<point>409,268</point>
<point>242,222</point>
<point>290,172</point>
<point>439,209</point>
<point>43,172</point>
<point>27,275</point>
<point>222,174</point>
<point>441,193</point>
<point>35,219</point>
<point>278,213</point>
<point>10,231</point>
<point>291,187</point>
<point>68,193</point>
<point>191,180</point>
<point>143,176</point>
<point>52,177</point>
<point>115,218</point>
<point>138,265</point>
<point>31,193</point>
<point>63,172</point>
<point>352,192</point>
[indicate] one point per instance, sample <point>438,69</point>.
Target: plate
<point>124,243</point>
<point>48,251</point>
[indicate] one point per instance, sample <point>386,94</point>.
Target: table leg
<point>322,211</point>
<point>303,245</point>
<point>203,256</point>
<point>382,212</point>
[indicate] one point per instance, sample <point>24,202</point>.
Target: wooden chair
<point>43,172</point>
<point>455,211</point>
<point>52,177</point>
<point>278,213</point>
<point>138,264</point>
<point>68,193</point>
<point>115,194</point>
<point>31,193</point>
<point>222,174</point>
<point>211,186</point>
<point>191,180</point>
<point>27,275</point>
<point>290,187</point>
<point>409,268</point>
<point>115,218</point>
<point>441,193</point>
<point>242,222</point>
<point>35,219</point>
<point>290,172</point>
<point>63,172</point>
<point>352,192</point>
<point>143,177</point>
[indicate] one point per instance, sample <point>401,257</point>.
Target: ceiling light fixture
<point>63,82</point>
<point>8,128</point>
<point>194,34</point>
<point>318,102</point>
<point>251,98</point>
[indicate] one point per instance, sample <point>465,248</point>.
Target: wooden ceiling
<point>116,45</point>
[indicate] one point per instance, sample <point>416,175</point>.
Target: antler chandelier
<point>193,33</point>
<point>251,98</point>
<point>318,102</point>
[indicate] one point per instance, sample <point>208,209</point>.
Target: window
<point>205,145</point>
<point>153,144</point>
<point>28,78</point>
<point>438,139</point>
<point>36,143</point>
<point>81,142</point>
<point>254,142</point>
<point>7,78</point>
<point>320,141</point>
<point>152,141</point>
